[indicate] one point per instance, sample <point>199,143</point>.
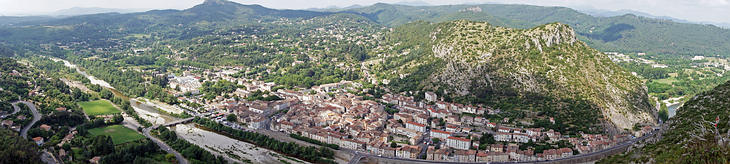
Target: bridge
<point>179,121</point>
<point>146,131</point>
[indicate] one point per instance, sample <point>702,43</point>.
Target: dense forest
<point>15,149</point>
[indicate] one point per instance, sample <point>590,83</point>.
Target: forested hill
<point>543,69</point>
<point>627,33</point>
<point>199,20</point>
<point>691,135</point>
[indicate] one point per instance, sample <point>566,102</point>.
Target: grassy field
<point>119,133</point>
<point>667,80</point>
<point>98,107</point>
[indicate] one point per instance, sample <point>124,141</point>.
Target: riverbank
<point>232,149</point>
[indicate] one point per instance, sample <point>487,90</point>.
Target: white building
<point>430,96</point>
<point>440,134</point>
<point>416,126</point>
<point>458,143</point>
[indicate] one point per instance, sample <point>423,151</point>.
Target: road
<point>561,160</point>
<point>164,146</point>
<point>16,109</point>
<point>36,117</point>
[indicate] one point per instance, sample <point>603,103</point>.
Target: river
<point>91,78</point>
<point>673,109</point>
<point>231,149</point>
<point>673,104</point>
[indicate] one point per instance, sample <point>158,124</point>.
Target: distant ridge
<point>625,33</point>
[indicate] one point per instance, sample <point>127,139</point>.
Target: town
<point>391,126</point>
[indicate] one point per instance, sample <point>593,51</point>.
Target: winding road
<point>16,109</point>
<point>34,111</point>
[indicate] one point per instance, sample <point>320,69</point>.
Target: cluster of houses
<point>329,114</point>
<point>347,120</point>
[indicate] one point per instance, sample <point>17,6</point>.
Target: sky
<point>717,11</point>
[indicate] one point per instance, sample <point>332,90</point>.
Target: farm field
<point>99,107</point>
<point>119,133</point>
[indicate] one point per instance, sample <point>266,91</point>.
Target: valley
<point>224,82</point>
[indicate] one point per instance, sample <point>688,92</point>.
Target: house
<point>38,140</point>
<point>503,137</point>
<point>522,138</point>
<point>481,156</point>
<point>257,123</point>
<point>496,148</point>
<point>351,144</point>
<point>286,126</point>
<point>431,97</point>
<point>404,152</point>
<point>497,157</point>
<point>95,160</point>
<point>45,127</point>
<point>7,123</point>
<point>387,151</point>
<point>458,143</point>
<point>504,130</point>
<point>491,125</point>
<point>441,154</point>
<point>430,152</point>
<point>416,126</point>
<point>442,135</point>
<point>373,148</point>
<point>465,155</point>
<point>407,132</point>
<point>421,119</point>
<point>565,152</point>
<point>533,132</point>
<point>452,128</point>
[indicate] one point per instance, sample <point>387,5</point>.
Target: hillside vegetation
<point>543,70</point>
<point>691,136</point>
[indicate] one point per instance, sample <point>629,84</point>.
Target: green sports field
<point>98,107</point>
<point>119,133</point>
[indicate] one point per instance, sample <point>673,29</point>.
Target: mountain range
<point>625,33</point>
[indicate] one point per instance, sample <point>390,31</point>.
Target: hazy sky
<point>693,10</point>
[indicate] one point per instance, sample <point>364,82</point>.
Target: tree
<point>14,149</point>
<point>101,145</point>
<point>436,141</point>
<point>393,145</point>
<point>106,94</point>
<point>170,158</point>
<point>663,113</point>
<point>232,118</point>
